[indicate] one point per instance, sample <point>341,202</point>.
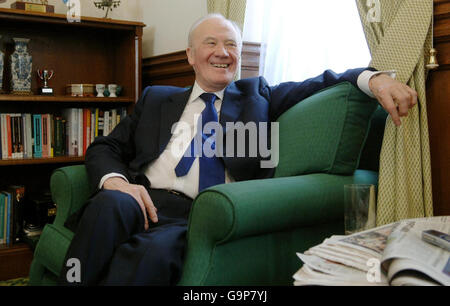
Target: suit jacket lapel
<point>171,112</point>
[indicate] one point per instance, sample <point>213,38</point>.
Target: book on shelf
<point>101,123</point>
<point>68,133</point>
<point>27,150</point>
<point>44,138</point>
<point>37,135</point>
<point>393,254</point>
<point>12,201</point>
<point>80,126</point>
<point>1,138</point>
<point>12,128</point>
<point>17,130</point>
<point>17,209</point>
<point>23,216</point>
<point>59,145</point>
<point>86,129</point>
<point>71,115</point>
<point>5,198</point>
<point>3,213</point>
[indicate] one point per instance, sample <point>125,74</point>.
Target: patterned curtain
<point>230,9</point>
<point>399,35</point>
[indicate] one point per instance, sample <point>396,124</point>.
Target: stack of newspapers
<point>393,254</point>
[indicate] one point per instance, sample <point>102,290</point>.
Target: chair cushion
<point>325,133</point>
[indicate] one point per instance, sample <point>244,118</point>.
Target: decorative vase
<point>112,90</point>
<point>21,66</point>
<point>100,88</point>
<point>2,61</point>
<point>119,90</point>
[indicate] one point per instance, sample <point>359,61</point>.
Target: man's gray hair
<point>215,15</point>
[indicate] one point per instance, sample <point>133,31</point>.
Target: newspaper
<point>393,254</point>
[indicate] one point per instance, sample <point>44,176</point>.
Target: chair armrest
<point>224,213</point>
<point>70,190</point>
<point>230,211</point>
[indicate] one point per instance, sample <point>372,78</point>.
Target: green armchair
<point>248,233</point>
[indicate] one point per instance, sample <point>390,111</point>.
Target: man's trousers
<point>113,248</point>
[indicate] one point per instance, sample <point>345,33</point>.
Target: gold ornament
<point>432,63</point>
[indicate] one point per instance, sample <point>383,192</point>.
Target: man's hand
<point>136,191</point>
<point>395,97</point>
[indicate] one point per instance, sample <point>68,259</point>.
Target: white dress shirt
<point>157,171</point>
<point>161,172</point>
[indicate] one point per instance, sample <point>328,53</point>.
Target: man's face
<point>214,54</point>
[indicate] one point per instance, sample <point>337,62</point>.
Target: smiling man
<point>132,231</point>
<point>214,53</point>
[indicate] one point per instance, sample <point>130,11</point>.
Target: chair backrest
<point>370,155</point>
<point>326,132</point>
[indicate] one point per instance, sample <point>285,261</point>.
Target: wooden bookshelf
<point>15,261</point>
<point>438,109</point>
<point>35,161</point>
<point>64,99</point>
<point>92,51</point>
<point>61,19</point>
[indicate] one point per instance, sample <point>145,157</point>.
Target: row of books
<point>11,214</point>
<point>51,135</point>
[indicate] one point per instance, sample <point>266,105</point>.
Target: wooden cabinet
<point>88,52</point>
<point>174,69</point>
<point>438,109</point>
<point>15,261</point>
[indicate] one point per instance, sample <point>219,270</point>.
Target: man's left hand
<point>395,97</point>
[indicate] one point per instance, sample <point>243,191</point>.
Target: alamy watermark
<point>73,10</point>
<point>235,137</point>
<point>374,13</point>
<point>374,273</point>
<point>73,274</point>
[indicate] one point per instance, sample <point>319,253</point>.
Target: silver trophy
<point>45,75</point>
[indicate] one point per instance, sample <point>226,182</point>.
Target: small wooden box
<point>33,7</point>
<point>80,90</point>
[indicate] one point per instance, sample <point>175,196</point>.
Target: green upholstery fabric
<point>74,193</point>
<point>243,233</point>
<point>53,239</point>
<point>262,260</point>
<point>370,155</point>
<point>325,132</point>
<point>226,214</point>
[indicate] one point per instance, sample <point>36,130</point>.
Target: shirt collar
<point>197,91</point>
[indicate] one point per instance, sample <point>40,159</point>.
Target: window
<point>305,37</point>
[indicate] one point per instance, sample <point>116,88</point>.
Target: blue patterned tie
<point>212,170</point>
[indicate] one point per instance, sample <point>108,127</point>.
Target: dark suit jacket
<point>142,136</point>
